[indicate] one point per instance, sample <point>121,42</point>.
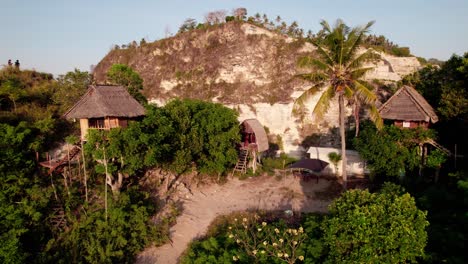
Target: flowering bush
<point>261,240</point>
<point>267,238</point>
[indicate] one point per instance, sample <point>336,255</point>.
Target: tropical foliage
<point>384,227</point>
<point>362,227</point>
<point>394,152</point>
<point>260,238</point>
<point>339,70</point>
<point>121,74</point>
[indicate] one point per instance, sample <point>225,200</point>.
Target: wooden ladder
<point>241,165</point>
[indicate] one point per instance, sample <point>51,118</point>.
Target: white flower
<point>263,251</point>
<point>294,243</point>
<point>234,258</point>
<point>230,227</point>
<point>259,229</point>
<point>254,252</point>
<point>276,230</point>
<point>231,235</point>
<point>281,240</point>
<point>244,219</point>
<point>274,244</point>
<point>235,219</point>
<point>280,254</point>
<point>238,241</point>
<point>265,243</point>
<point>301,258</point>
<point>264,223</point>
<point>286,255</point>
<point>301,230</point>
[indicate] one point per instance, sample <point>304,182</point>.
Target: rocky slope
<point>240,65</point>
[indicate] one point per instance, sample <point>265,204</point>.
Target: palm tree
<point>339,69</point>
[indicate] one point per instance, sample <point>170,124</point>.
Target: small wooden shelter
<point>105,107</point>
<point>254,140</point>
<point>254,135</point>
<point>408,109</point>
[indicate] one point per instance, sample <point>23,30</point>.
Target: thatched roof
<point>253,126</point>
<point>408,105</point>
<point>105,101</point>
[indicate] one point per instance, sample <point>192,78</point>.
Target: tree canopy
<point>121,74</point>
<point>384,227</point>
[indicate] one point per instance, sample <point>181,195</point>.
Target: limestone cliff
<point>246,67</point>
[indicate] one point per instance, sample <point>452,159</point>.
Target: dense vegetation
<point>439,181</point>
<point>63,217</point>
<point>362,227</point>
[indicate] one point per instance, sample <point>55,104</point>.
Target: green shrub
<point>384,227</point>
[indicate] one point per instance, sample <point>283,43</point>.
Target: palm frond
<point>360,72</point>
<point>368,56</point>
<point>324,54</point>
<point>375,117</point>
<point>305,61</point>
<point>324,102</point>
<point>326,27</point>
<point>355,39</point>
<point>321,65</point>
<point>348,92</point>
<point>299,103</point>
<point>315,77</point>
<point>364,94</point>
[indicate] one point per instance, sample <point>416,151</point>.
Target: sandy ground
<point>207,202</point>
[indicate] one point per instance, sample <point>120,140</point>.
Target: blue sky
<point>57,36</point>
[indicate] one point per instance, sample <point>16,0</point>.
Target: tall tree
<point>71,87</point>
<point>339,68</point>
<point>122,74</point>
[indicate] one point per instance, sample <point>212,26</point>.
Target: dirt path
<point>210,201</point>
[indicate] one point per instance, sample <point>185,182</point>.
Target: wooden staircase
<point>438,146</point>
<point>54,165</point>
<point>241,165</point>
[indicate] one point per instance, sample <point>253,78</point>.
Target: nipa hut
<point>408,109</point>
<point>254,135</point>
<point>105,107</point>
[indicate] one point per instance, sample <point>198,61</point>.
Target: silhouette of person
<point>10,63</point>
<point>17,63</point>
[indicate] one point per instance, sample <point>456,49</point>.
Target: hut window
<point>96,123</point>
<point>406,124</point>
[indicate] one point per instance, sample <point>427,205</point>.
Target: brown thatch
<point>253,126</point>
<point>106,101</point>
<point>408,105</point>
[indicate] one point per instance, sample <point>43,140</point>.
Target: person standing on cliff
<point>17,64</point>
<point>10,63</point>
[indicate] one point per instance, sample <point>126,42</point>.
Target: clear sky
<point>57,36</point>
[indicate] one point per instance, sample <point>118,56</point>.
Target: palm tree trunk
<point>357,109</point>
<point>343,140</point>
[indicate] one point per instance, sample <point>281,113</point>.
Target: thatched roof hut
<point>408,108</point>
<point>105,107</point>
<point>254,133</point>
<point>106,101</point>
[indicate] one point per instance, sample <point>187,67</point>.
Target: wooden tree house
<point>408,109</point>
<point>105,107</point>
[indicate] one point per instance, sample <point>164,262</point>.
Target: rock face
<point>242,66</point>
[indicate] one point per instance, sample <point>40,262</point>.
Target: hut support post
<point>84,172</point>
